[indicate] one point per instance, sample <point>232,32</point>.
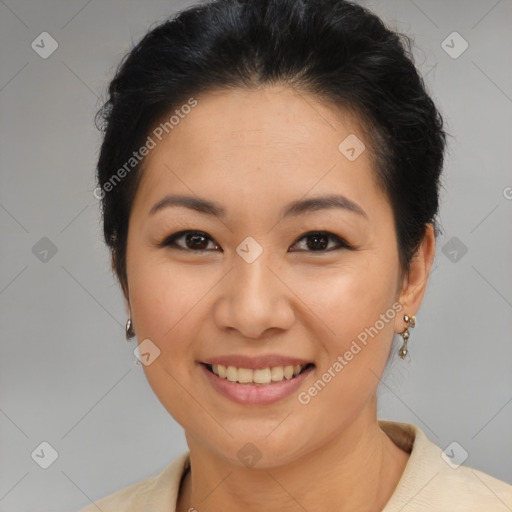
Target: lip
<point>248,394</point>
<point>253,363</point>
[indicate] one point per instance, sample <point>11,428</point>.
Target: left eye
<point>319,241</point>
<point>197,241</point>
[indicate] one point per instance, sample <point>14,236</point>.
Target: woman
<point>269,179</point>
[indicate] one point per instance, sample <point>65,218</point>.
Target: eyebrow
<point>296,208</point>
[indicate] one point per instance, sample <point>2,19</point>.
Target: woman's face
<point>261,287</point>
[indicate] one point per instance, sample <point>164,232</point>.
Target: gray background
<point>68,377</point>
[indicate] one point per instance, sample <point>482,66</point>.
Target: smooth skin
<point>253,153</point>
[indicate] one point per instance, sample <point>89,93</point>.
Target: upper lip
<point>265,361</point>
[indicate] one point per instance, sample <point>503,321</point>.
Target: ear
<point>414,288</point>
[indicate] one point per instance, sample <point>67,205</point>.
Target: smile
<point>255,386</point>
<point>258,376</point>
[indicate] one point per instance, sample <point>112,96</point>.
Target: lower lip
<point>248,394</point>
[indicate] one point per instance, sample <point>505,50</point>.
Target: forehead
<point>274,142</point>
<point>275,118</point>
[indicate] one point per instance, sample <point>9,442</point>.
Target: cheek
<point>352,298</point>
<point>357,343</point>
<point>154,297</point>
<point>167,303</point>
<point>162,303</point>
<point>355,303</point>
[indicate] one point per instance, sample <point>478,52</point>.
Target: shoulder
<point>462,489</point>
<point>475,489</point>
<point>433,480</point>
<point>156,491</point>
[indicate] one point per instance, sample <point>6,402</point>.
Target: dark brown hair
<point>335,49</point>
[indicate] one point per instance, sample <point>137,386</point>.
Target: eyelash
<point>170,241</point>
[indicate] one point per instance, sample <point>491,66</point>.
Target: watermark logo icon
<point>44,250</point>
<point>44,455</point>
<point>454,249</point>
<point>44,45</point>
<point>249,454</point>
<point>351,147</point>
<point>454,45</point>
<point>146,352</point>
<point>454,455</point>
<point>249,250</point>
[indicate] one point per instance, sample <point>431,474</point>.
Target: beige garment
<point>428,483</point>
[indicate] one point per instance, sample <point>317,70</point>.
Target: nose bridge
<point>254,299</point>
<point>253,277</point>
<point>252,263</point>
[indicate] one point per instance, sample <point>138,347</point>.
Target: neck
<point>357,469</point>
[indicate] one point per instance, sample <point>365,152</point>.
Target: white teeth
<point>232,373</point>
<point>258,376</point>
<point>288,372</point>
<point>261,376</point>
<point>244,375</point>
<point>277,373</point>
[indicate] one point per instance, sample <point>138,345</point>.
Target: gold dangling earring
<point>411,322</point>
<point>130,333</point>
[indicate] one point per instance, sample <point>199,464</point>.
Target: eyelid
<point>343,244</point>
<point>170,240</point>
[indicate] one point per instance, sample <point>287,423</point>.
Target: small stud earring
<point>411,322</point>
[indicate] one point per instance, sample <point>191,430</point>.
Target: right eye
<point>194,241</point>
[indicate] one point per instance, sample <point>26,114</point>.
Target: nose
<point>254,299</point>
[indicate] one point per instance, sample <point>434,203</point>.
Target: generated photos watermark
<point>152,140</point>
<point>305,397</point>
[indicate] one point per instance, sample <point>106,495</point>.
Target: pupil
<point>317,245</point>
<point>194,238</point>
